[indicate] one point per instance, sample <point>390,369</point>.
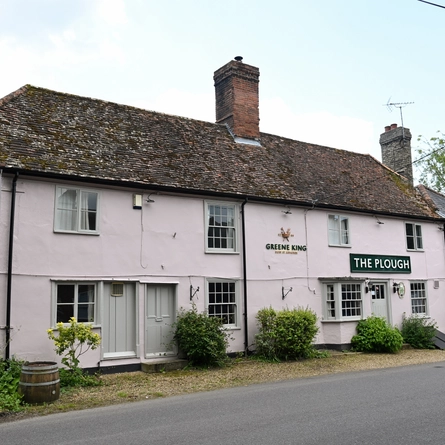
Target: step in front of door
<point>166,365</point>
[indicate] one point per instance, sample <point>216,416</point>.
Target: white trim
<point>414,225</point>
<point>209,280</point>
<point>79,191</point>
<point>339,218</point>
<point>337,289</point>
<point>236,213</point>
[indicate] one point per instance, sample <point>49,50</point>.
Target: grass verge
<point>138,386</point>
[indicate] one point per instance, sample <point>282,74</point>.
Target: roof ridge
<point>4,100</point>
<point>27,87</point>
<point>423,190</point>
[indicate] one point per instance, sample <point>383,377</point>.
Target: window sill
<point>345,320</point>
<point>95,326</point>
<point>224,252</point>
<point>340,245</point>
<point>67,232</point>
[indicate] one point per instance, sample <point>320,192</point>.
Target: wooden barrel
<point>39,382</point>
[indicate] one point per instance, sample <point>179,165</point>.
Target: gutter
<point>9,280</point>
<point>246,333</point>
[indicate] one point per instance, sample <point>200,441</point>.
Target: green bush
<point>374,334</point>
<point>71,341</point>
<point>287,334</point>
<point>10,399</point>
<point>418,332</point>
<point>202,338</point>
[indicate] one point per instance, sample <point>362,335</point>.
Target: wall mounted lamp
<point>149,199</point>
<point>399,288</point>
<point>287,211</point>
<point>368,286</point>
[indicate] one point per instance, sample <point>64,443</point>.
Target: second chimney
<point>237,99</point>
<point>395,143</point>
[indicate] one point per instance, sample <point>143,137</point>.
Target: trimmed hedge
<point>287,334</point>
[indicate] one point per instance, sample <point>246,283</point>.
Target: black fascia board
<point>213,194</point>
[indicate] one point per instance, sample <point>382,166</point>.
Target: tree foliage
<point>430,162</point>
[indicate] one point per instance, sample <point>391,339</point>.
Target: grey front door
<point>119,324</point>
<point>160,314</point>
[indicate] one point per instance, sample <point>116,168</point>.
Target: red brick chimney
<point>236,92</point>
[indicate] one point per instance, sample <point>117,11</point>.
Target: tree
<point>431,162</point>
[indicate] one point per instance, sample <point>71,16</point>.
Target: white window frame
<point>419,298</point>
<point>220,312</point>
<point>336,307</point>
<point>78,212</point>
<point>93,314</point>
<point>211,205</point>
<point>338,236</point>
<point>415,237</point>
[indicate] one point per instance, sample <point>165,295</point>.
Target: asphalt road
<point>389,406</point>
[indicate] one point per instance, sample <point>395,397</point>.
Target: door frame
<point>174,287</point>
<point>387,287</point>
<point>101,291</point>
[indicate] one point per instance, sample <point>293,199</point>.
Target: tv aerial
<point>390,105</point>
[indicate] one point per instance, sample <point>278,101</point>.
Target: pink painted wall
<point>164,242</point>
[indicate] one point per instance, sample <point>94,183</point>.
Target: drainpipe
<point>246,334</point>
<point>9,282</point>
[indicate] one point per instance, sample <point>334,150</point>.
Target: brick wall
<point>237,98</point>
<point>395,143</point>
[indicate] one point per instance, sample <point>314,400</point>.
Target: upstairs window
<point>76,211</point>
<point>338,228</point>
<point>221,227</point>
<point>413,236</point>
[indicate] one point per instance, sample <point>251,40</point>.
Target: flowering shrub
<point>72,341</point>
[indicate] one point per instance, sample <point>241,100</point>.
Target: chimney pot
<point>393,126</point>
<point>387,128</point>
<point>238,58</point>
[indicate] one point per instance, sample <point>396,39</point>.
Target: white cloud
<point>181,103</point>
<point>276,117</point>
<point>322,128</point>
<point>112,12</point>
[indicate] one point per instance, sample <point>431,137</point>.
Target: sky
<point>327,67</point>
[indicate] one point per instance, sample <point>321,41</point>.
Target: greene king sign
<point>379,263</point>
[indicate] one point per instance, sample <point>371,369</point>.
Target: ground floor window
<point>76,300</point>
<point>418,298</point>
<point>343,301</point>
<point>222,300</point>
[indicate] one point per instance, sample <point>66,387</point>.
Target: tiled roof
<point>51,133</point>
<point>436,199</point>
